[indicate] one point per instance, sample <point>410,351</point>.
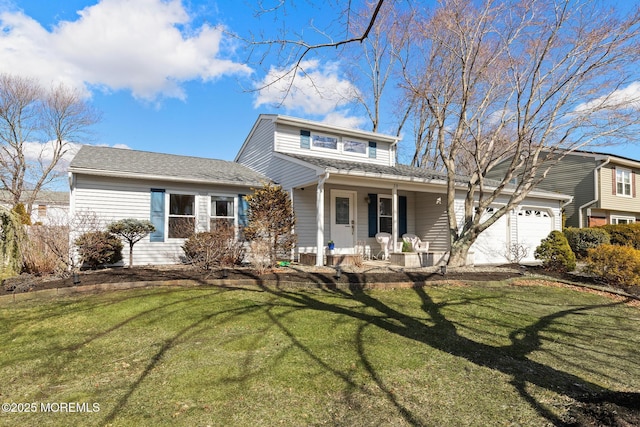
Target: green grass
<point>481,355</point>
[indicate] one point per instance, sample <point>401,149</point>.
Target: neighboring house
<point>346,187</point>
<point>344,183</point>
<point>49,207</point>
<point>603,187</point>
<point>177,193</point>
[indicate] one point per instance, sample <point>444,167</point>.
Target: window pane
<point>385,225</point>
<point>342,210</point>
<point>181,227</point>
<point>220,224</point>
<point>325,142</point>
<point>386,207</point>
<point>355,147</point>
<point>181,204</point>
<point>222,206</point>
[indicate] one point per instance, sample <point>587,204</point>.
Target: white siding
<point>257,151</point>
<point>288,141</point>
<point>432,223</point>
<point>290,174</point>
<point>112,199</point>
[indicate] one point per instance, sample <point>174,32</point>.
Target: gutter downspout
<point>320,219</point>
<point>596,190</point>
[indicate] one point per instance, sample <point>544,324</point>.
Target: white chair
<point>385,244</point>
<point>417,245</point>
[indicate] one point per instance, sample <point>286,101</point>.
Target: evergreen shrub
<point>624,234</point>
<point>582,239</point>
<point>555,253</point>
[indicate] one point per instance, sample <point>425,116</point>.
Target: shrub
<point>46,250</point>
<point>271,220</point>
<point>212,249</point>
<point>615,265</point>
<point>132,231</point>
<point>582,239</point>
<point>624,234</point>
<point>555,253</point>
<point>98,248</point>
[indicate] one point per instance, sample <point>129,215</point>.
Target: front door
<point>343,220</point>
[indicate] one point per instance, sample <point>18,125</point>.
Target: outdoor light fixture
<point>76,278</point>
<point>367,199</point>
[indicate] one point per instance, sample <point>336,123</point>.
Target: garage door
<point>491,245</point>
<point>533,225</point>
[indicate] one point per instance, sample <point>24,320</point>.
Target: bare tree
<point>521,82</point>
<point>36,129</point>
<point>374,60</point>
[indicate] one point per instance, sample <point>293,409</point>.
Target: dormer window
<point>324,141</point>
<point>358,147</point>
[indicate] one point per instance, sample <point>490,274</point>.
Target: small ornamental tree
<point>132,231</point>
<point>270,221</point>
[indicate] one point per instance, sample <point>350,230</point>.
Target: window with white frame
<point>623,182</point>
<point>182,218</point>
<point>324,141</point>
<point>352,146</point>
<point>222,211</point>
<point>622,220</point>
<point>385,214</point>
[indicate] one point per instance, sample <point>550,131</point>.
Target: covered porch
<point>347,218</point>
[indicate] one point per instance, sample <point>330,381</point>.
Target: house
<point>603,187</point>
<point>174,192</point>
<point>49,207</point>
<point>345,186</point>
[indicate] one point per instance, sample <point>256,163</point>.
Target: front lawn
<point>480,355</point>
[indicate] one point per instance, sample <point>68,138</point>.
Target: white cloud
<point>141,46</point>
<point>343,119</point>
<point>315,89</point>
<point>629,97</point>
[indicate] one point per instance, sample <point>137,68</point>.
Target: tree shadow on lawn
<point>596,405</point>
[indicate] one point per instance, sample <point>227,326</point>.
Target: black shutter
<point>373,214</point>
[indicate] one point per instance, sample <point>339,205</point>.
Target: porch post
<point>394,222</point>
<point>320,220</point>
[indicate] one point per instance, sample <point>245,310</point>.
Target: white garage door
<point>491,245</point>
<point>533,225</point>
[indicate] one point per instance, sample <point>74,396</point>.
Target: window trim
<point>210,216</point>
<point>169,215</point>
<point>629,219</point>
<point>325,149</point>
<point>380,197</point>
<point>623,172</point>
<point>355,153</point>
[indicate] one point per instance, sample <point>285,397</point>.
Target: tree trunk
<point>130,255</point>
<point>459,252</point>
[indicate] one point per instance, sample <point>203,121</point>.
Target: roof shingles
<point>93,159</point>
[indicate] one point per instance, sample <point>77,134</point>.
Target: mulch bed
<point>29,283</point>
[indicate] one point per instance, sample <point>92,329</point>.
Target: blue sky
<point>166,75</point>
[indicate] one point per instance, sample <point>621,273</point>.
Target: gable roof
<point>107,161</point>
